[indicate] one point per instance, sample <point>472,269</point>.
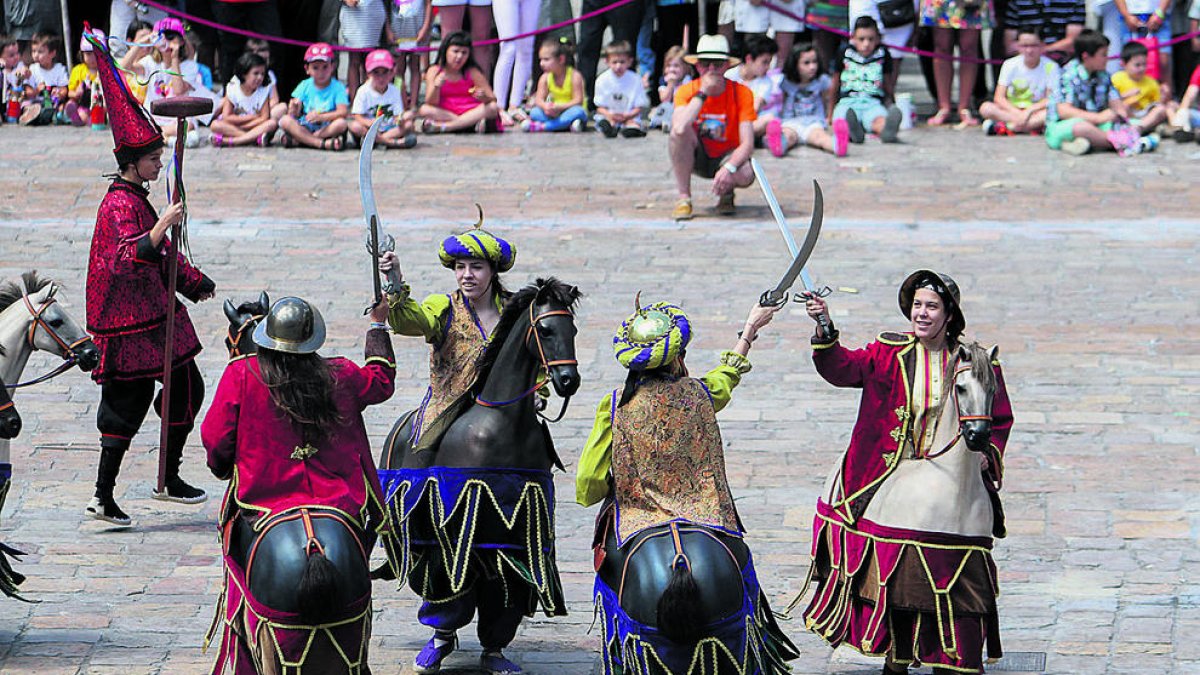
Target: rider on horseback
<point>286,429</point>
<point>127,298</point>
<point>458,327</point>
<point>655,454</point>
<point>889,583</point>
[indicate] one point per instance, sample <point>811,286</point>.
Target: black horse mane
<point>11,291</point>
<point>515,310</point>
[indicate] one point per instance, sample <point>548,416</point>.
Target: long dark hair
<point>460,39</point>
<point>791,67</point>
<point>669,371</point>
<point>301,386</point>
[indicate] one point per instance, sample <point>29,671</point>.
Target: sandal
<point>939,118</point>
<point>288,141</point>
<point>967,119</point>
<point>334,144</point>
<point>428,126</point>
<point>264,140</point>
<point>217,140</point>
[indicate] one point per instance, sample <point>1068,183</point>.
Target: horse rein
<point>961,419</point>
<point>532,331</point>
<point>68,349</point>
<point>235,337</point>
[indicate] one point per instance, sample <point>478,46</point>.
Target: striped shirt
<point>1049,17</point>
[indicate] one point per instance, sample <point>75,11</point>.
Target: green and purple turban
<point>652,337</point>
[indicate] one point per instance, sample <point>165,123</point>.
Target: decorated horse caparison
<point>31,319</point>
<point>297,530</point>
<point>472,502</point>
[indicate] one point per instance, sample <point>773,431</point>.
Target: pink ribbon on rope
<point>301,43</point>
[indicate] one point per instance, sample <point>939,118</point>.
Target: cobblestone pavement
<point>1083,269</point>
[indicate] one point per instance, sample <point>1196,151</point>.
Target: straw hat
<point>711,48</point>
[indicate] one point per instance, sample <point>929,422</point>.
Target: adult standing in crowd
<point>1057,22</point>
<point>822,16</point>
<point>454,13</point>
<point>515,65</point>
<point>625,22</point>
<point>1149,19</point>
<point>124,12</point>
<point>258,16</point>
<point>953,21</point>
<point>362,28</point>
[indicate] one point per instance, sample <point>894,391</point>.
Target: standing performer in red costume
<point>127,304</point>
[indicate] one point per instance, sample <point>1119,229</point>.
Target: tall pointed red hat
<point>135,132</point>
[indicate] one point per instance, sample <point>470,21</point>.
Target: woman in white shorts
<point>513,68</point>
<point>753,17</point>
<point>452,13</point>
<point>898,36</point>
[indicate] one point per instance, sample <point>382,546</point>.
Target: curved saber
<point>377,243</point>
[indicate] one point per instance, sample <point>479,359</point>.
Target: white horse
<point>944,490</point>
<point>32,319</point>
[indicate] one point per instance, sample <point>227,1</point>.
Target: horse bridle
<point>961,417</point>
<point>235,337</point>
<point>534,321</point>
<point>68,348</point>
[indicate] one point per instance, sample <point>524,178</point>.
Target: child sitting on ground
<point>620,95</point>
<point>861,85</point>
<point>316,115</point>
<point>84,80</point>
<point>1022,89</point>
<point>46,89</point>
<point>1085,106</point>
<point>15,75</point>
<point>262,48</point>
<point>807,104</point>
<point>1187,118</point>
<point>244,116</point>
<point>558,103</point>
<point>1148,107</point>
<point>378,97</point>
<point>758,52</point>
<point>171,70</point>
<point>458,96</point>
<point>676,73</point>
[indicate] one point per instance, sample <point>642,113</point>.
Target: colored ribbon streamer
<point>415,50</point>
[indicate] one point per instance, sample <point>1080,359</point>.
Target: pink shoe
<point>775,137</point>
<point>841,137</point>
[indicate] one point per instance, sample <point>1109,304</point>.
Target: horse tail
<point>679,617</point>
<point>317,585</point>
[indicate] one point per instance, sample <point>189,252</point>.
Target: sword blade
<point>806,249</point>
<point>366,190</point>
<point>773,204</point>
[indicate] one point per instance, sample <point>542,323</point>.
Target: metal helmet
<point>292,326</point>
<point>947,290</point>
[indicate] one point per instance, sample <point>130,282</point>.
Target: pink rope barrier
<point>300,43</point>
<point>934,55</point>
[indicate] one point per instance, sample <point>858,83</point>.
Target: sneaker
<point>633,132</point>
<point>577,127</point>
<point>1076,146</point>
<point>192,140</point>
<point>1149,143</point>
<point>431,657</point>
<point>72,110</point>
<point>682,210</point>
<point>857,133</point>
<point>605,127</point>
<point>181,493</point>
<point>410,140</point>
<point>775,137</point>
<point>989,127</point>
<point>108,511</point>
<point>29,114</point>
<point>725,205</point>
<point>530,126</point>
<point>495,664</point>
<point>891,126</point>
<point>841,138</point>
<point>1184,135</point>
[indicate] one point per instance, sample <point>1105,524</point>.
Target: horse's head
<point>243,319</point>
<point>51,328</point>
<point>551,334</point>
<point>974,386</point>
<point>10,421</point>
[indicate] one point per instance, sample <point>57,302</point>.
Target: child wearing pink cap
<point>316,115</point>
<point>379,97</point>
<point>170,70</point>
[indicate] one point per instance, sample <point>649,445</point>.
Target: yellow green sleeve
<point>722,379</point>
<point>406,317</point>
<point>591,476</point>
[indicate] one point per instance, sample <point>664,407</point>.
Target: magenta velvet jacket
<point>884,374</point>
<point>252,443</point>
<point>127,289</point>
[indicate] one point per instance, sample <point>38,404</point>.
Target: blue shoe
<point>496,664</point>
<point>431,657</point>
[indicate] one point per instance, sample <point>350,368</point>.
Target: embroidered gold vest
<point>452,362</point>
<point>667,459</point>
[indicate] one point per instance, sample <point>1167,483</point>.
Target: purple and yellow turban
<point>652,337</point>
<point>479,244</point>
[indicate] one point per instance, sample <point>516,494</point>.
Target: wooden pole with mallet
<point>181,108</point>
